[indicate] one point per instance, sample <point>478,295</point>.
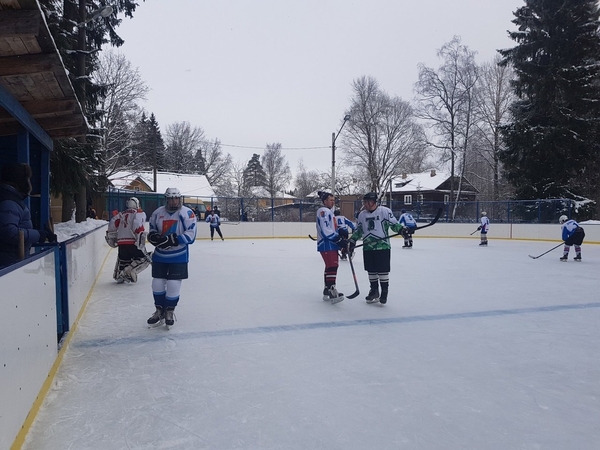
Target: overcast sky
<point>252,72</point>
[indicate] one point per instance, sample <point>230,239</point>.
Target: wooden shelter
<point>37,100</point>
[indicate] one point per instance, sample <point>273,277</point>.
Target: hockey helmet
<point>562,219</point>
<point>133,203</point>
<point>370,197</point>
<point>173,197</point>
<point>483,214</point>
<point>402,210</point>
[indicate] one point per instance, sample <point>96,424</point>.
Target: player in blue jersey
<point>572,234</point>
<point>172,230</point>
<point>329,242</point>
<point>342,223</point>
<point>409,225</point>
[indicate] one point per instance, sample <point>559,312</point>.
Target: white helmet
<point>132,203</point>
<point>170,194</point>
<point>483,214</point>
<point>562,219</point>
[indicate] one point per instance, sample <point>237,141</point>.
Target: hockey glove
<point>170,241</point>
<point>111,238</point>
<point>343,233</point>
<point>351,245</point>
<point>479,228</point>
<point>156,239</point>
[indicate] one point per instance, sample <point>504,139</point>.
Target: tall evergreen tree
<point>254,174</point>
<point>555,118</point>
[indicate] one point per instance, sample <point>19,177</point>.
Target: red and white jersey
<point>128,224</point>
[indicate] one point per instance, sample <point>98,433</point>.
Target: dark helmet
<point>402,210</point>
<point>371,196</point>
<point>323,195</point>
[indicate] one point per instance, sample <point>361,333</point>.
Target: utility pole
<point>333,139</point>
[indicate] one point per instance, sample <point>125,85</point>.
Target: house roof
<point>33,74</point>
<point>423,181</point>
<point>190,185</point>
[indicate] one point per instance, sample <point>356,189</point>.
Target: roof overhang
<point>36,92</point>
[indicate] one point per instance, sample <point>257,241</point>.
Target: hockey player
<point>572,234</point>
<point>214,220</point>
<point>126,231</point>
<point>329,241</point>
<point>172,230</point>
<point>373,224</point>
<point>409,224</point>
<point>484,227</point>
<point>342,223</point>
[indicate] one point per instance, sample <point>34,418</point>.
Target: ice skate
<point>156,317</point>
<point>373,296</point>
<point>383,297</point>
<point>334,295</point>
<point>564,258</point>
<point>169,317</point>
<point>483,243</point>
<point>326,294</point>
<point>577,258</point>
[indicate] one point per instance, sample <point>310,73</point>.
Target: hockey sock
<point>330,276</point>
<point>566,250</point>
<point>578,249</point>
<point>384,280</point>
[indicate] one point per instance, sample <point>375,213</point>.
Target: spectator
<point>15,216</point>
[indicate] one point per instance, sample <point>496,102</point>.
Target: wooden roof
<point>32,71</point>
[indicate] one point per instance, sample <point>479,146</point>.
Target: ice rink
<point>477,348</point>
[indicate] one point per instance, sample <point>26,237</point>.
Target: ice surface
<point>477,348</point>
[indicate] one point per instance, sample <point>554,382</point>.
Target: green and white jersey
<point>373,228</point>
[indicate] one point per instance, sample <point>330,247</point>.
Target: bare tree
<point>277,169</point>
<point>494,97</point>
<point>212,162</point>
<point>183,143</point>
<point>307,181</point>
<point>122,90</point>
<point>446,101</point>
<point>382,137</point>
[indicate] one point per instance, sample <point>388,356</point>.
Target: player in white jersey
<point>172,230</point>
<point>126,231</point>
<point>342,223</point>
<point>572,234</point>
<point>484,227</point>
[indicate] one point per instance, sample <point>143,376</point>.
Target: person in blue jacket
<point>572,234</point>
<point>329,242</point>
<point>15,216</point>
<point>409,225</point>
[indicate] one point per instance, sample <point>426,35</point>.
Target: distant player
<point>329,242</point>
<point>374,222</point>
<point>342,223</point>
<point>484,227</point>
<point>572,234</point>
<point>409,225</point>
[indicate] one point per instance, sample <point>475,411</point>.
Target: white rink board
<point>28,346</point>
<point>84,260</point>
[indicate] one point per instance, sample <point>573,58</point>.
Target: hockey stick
<point>312,238</point>
<point>474,232</point>
<point>435,219</point>
<point>357,292</point>
<point>553,248</point>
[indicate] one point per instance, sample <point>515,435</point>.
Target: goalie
<point>126,231</point>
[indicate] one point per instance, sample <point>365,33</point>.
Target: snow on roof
<point>423,181</point>
<point>188,184</point>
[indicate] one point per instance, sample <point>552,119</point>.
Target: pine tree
<point>254,174</point>
<point>555,128</point>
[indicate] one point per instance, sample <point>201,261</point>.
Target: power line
<point>282,148</point>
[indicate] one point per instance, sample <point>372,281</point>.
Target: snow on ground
<point>477,348</point>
